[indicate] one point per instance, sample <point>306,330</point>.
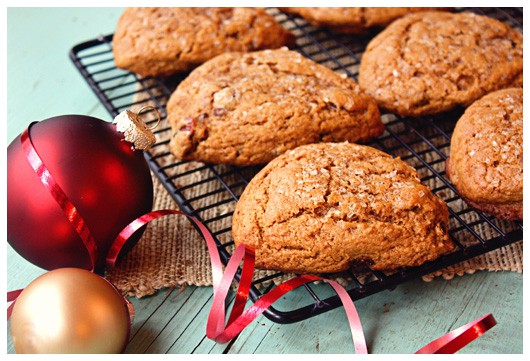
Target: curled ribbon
<point>11,297</point>
<point>239,318</point>
<point>456,339</point>
<point>69,210</point>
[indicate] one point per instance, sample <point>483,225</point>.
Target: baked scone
<point>430,62</point>
<point>164,41</point>
<point>247,108</point>
<point>322,207</point>
<point>486,161</point>
<point>350,20</point>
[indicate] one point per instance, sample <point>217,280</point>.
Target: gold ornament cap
<point>135,130</point>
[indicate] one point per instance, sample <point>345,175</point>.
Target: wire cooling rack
<point>209,192</point>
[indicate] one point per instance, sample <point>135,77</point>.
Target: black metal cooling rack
<point>209,192</point>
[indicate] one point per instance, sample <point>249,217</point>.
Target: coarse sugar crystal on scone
<point>162,41</point>
<point>322,207</point>
<point>486,160</point>
<point>248,108</point>
<point>430,62</point>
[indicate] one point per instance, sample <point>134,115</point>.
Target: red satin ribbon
<point>216,328</point>
<point>456,339</point>
<point>70,211</point>
<point>12,297</point>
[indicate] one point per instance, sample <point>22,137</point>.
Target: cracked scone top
<point>430,62</point>
<point>246,109</point>
<point>486,161</point>
<point>322,207</point>
<point>163,41</point>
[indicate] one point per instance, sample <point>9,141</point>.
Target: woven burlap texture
<point>170,253</point>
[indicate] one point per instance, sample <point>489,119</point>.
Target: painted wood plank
<point>421,312</point>
<point>399,321</point>
<point>265,336</point>
<point>42,80</point>
<point>144,309</point>
<point>193,327</point>
<point>154,331</point>
<point>178,325</point>
<point>208,346</point>
<point>403,320</point>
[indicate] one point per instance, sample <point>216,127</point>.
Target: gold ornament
<point>70,310</point>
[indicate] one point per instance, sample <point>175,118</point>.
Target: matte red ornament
<point>107,181</point>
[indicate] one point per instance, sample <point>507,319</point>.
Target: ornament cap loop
<point>150,107</point>
<point>135,130</point>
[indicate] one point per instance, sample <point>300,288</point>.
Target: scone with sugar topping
<point>322,207</point>
<point>164,40</point>
<point>430,62</point>
<point>486,161</point>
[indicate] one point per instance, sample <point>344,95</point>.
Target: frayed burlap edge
<point>507,258</point>
<point>170,253</point>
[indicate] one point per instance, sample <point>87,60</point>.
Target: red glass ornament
<point>108,182</point>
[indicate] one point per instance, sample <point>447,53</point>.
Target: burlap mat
<point>170,253</point>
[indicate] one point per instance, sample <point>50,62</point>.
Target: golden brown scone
<point>430,62</point>
<point>246,109</point>
<point>350,20</point>
<point>486,162</point>
<point>164,41</point>
<point>321,207</point>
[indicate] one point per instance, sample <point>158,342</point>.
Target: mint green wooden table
<point>42,82</point>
